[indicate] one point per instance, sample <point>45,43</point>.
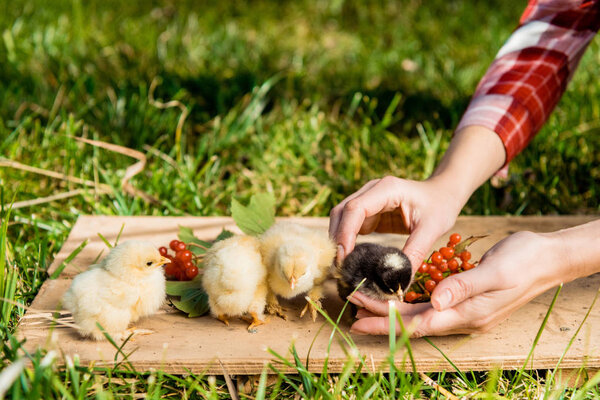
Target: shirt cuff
<point>504,115</point>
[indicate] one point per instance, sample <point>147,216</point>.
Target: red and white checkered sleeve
<point>532,69</point>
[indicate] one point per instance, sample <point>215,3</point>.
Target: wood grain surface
<point>178,344</point>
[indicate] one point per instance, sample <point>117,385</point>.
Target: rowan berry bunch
<point>449,260</point>
<point>183,265</point>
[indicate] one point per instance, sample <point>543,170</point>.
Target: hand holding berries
<point>476,301</point>
<point>442,263</point>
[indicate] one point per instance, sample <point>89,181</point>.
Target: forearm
<point>531,71</point>
<point>578,249</point>
<point>474,155</point>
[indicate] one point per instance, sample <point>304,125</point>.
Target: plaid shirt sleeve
<point>532,69</point>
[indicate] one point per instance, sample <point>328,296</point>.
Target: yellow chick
<point>234,279</point>
<point>298,259</point>
<point>126,285</point>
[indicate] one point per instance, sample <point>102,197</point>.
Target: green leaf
<point>176,288</point>
<point>462,246</point>
<point>194,302</point>
<point>257,216</point>
<point>225,234</point>
<point>186,235</point>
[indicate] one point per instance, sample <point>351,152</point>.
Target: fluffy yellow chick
<point>298,259</point>
<point>234,279</point>
<point>126,285</point>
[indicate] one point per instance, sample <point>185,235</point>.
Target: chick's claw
<point>276,309</point>
<point>254,321</point>
<point>314,309</point>
<point>223,319</point>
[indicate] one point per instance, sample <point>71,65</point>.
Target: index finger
<point>376,200</point>
<point>380,307</point>
<point>428,323</point>
<point>337,211</point>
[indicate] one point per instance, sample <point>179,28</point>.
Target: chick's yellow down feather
<point>298,259</point>
<point>235,279</point>
<point>126,285</point>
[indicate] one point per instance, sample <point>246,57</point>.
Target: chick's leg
<point>254,321</point>
<point>273,306</point>
<point>223,319</point>
<point>257,307</point>
<point>113,322</point>
<point>315,295</point>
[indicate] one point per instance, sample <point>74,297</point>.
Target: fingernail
<point>340,254</point>
<point>444,299</point>
<point>355,301</point>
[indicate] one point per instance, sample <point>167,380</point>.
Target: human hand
<point>510,274</point>
<point>425,210</point>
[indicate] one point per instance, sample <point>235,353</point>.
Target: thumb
<point>457,288</point>
<point>418,244</point>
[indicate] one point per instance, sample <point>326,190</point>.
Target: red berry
<point>181,276</point>
<point>188,264</point>
<point>180,246</point>
<point>455,238</point>
<point>467,266</point>
<point>191,272</point>
<point>430,285</point>
<point>424,268</point>
<point>184,255</point>
<point>437,258</point>
<point>438,277</point>
<point>179,265</point>
<point>443,267</point>
<point>433,270</point>
<point>410,297</point>
<point>163,251</point>
<point>465,256</point>
<point>173,244</point>
<point>447,252</point>
<point>170,269</point>
<point>449,244</point>
<point>453,264</point>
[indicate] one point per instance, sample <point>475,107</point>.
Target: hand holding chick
<point>298,259</point>
<point>380,272</point>
<point>126,285</point>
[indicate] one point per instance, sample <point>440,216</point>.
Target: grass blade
<point>462,375</point>
<point>105,240</point>
<point>587,314</point>
<point>539,334</point>
<point>262,385</point>
<point>69,258</point>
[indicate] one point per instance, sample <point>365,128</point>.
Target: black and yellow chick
<point>386,272</point>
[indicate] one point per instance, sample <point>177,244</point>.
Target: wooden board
<point>179,344</point>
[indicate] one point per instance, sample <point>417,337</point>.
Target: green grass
<point>307,99</point>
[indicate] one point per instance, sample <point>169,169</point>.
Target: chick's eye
<point>149,263</point>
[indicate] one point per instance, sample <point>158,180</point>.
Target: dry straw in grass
<point>170,104</point>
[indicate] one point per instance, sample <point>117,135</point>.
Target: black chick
<point>386,272</point>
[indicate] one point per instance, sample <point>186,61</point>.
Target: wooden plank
<point>179,344</point>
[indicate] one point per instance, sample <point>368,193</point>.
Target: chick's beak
<point>400,295</point>
<point>292,282</point>
<point>164,260</point>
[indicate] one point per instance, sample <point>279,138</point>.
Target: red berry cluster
<point>441,264</point>
<point>182,266</point>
